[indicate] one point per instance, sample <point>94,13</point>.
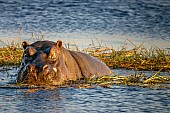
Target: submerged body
<point>47,62</point>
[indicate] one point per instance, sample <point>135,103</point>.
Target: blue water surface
<point>116,99</point>
<point>96,100</point>
<point>129,18</point>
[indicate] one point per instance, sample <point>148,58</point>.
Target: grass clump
<point>10,54</point>
<point>138,58</point>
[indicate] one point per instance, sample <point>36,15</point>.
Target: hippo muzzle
<point>37,74</point>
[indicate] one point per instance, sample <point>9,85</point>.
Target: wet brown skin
<point>49,63</point>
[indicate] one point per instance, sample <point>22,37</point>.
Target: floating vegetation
<point>106,81</point>
<point>140,80</point>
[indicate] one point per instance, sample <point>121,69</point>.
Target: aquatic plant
<point>138,80</point>
<point>10,54</point>
<point>138,58</point>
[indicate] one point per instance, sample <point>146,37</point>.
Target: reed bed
<point>138,58</point>
<point>10,56</point>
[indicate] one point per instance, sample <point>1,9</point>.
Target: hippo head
<point>40,63</point>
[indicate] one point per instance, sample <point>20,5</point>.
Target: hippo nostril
<point>31,68</point>
<point>45,67</point>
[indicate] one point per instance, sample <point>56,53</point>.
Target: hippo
<point>49,63</point>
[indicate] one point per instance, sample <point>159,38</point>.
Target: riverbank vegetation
<point>10,54</point>
<point>138,58</point>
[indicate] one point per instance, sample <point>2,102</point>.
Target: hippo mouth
<point>32,76</point>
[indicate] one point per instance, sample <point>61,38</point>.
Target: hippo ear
<point>31,51</point>
<point>59,43</point>
<point>24,44</point>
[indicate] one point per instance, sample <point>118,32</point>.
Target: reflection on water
<point>72,100</point>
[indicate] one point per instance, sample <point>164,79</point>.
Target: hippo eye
<point>43,55</point>
<point>29,58</point>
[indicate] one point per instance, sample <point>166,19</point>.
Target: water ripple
<point>150,18</point>
<point>72,100</point>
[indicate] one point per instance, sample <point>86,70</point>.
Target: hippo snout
<point>33,68</point>
<point>34,73</point>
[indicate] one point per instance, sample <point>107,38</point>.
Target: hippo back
<point>90,66</point>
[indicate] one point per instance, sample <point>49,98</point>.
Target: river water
<point>94,100</point>
<point>79,21</point>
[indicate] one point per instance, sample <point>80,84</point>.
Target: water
<point>72,100</point>
<point>80,21</point>
<point>97,100</point>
